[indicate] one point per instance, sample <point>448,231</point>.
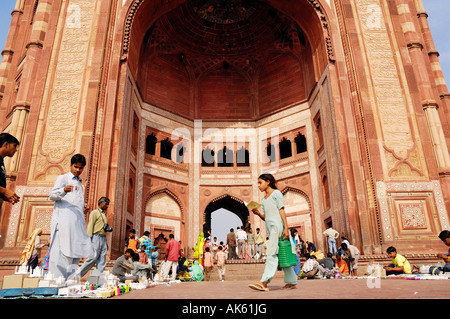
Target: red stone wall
<point>280,83</point>
<point>223,93</point>
<point>235,93</point>
<point>165,83</point>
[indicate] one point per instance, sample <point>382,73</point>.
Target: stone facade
<point>179,106</point>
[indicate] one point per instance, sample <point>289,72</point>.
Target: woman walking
<point>276,226</point>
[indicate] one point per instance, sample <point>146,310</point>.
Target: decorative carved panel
<point>389,100</point>
<point>33,211</point>
<point>66,84</point>
<point>163,204</point>
<point>412,216</point>
<point>411,210</point>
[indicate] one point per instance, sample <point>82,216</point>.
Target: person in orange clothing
<point>132,242</point>
<point>343,267</point>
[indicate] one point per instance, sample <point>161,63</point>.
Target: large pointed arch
<point>230,203</point>
<point>311,15</point>
<point>299,191</point>
<point>170,193</point>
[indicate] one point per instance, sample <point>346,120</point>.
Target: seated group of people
<point>399,265</point>
<point>128,267</point>
<point>312,268</point>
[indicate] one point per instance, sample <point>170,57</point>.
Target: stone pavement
<point>306,289</point>
<point>233,299</point>
<point>332,297</point>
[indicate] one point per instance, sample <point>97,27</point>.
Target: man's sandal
<point>289,286</point>
<point>258,287</point>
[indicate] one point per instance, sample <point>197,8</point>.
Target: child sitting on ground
<point>327,265</point>
<point>310,267</point>
<point>141,270</point>
<point>196,271</point>
<point>327,262</point>
<point>400,265</point>
<point>341,264</point>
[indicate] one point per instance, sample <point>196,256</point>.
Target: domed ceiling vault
<point>235,40</point>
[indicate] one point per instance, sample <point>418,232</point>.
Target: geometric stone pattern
<point>43,219</point>
<point>384,190</point>
<point>26,193</point>
<point>412,216</point>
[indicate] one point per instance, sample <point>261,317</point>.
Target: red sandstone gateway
<point>345,100</point>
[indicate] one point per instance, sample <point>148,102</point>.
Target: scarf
<point>26,254</point>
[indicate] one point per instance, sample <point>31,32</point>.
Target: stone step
<point>243,271</point>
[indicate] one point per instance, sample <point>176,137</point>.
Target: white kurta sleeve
<point>57,193</point>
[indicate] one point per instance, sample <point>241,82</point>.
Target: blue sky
<point>438,12</point>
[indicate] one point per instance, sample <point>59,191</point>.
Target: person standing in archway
<point>241,237</point>
<point>259,241</point>
<point>231,243</point>
<point>251,243</point>
<point>276,226</point>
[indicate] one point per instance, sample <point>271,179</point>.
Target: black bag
<point>107,228</point>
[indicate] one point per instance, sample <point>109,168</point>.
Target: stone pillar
<point>8,52</point>
<point>19,5</point>
<point>424,84</point>
<point>17,129</point>
<point>5,67</point>
<point>436,68</point>
<point>25,91</point>
<point>437,133</point>
<point>33,53</point>
<point>19,118</point>
<point>441,85</point>
<point>433,54</point>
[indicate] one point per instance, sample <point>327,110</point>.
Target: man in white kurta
<point>69,240</point>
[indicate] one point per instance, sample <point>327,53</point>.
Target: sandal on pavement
<point>289,286</point>
<point>259,287</point>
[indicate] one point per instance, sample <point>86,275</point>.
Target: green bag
<point>286,258</point>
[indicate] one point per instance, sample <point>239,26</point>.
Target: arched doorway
<point>163,215</point>
<point>222,220</point>
<point>230,204</point>
<point>171,70</point>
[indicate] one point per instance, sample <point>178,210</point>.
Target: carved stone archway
<point>229,203</point>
